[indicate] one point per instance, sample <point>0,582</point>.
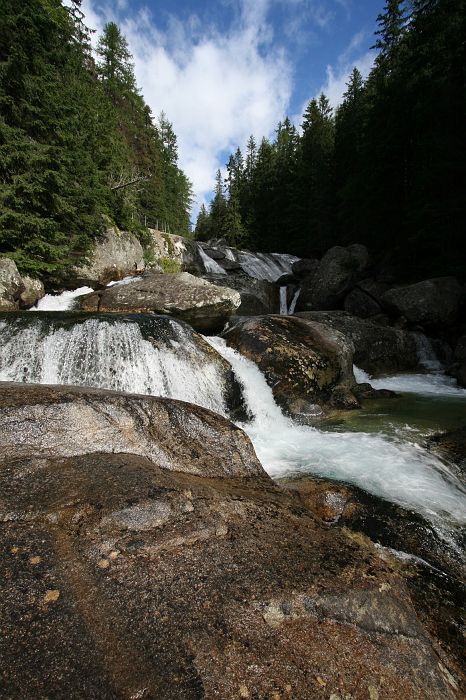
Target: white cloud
<point>337,76</point>
<point>216,88</point>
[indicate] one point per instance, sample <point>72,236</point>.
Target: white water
<point>266,266</point>
<point>284,300</point>
<point>400,472</point>
<point>294,301</point>
<point>423,384</point>
<point>111,355</point>
<point>60,302</point>
<point>125,280</point>
<point>211,266</point>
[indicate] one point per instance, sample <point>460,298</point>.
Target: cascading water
<point>294,301</point>
<point>400,472</point>
<point>111,352</point>
<point>211,266</point>
<point>61,302</point>
<point>284,300</point>
<point>426,354</point>
<point>266,266</point>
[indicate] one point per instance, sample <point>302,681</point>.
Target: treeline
<point>78,144</point>
<point>387,168</point>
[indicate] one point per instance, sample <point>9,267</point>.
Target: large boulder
<point>434,302</point>
<point>33,291</point>
<point>40,420</point>
<point>377,349</point>
<point>336,275</point>
<point>182,252</point>
<point>365,299</point>
<point>115,255</point>
<point>308,365</point>
<point>164,575</point>
<point>257,296</point>
<point>204,306</point>
<point>11,285</point>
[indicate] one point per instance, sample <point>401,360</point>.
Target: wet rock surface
<point>452,446</point>
<point>69,421</point>
<point>33,291</point>
<point>433,571</point>
<point>257,296</point>
<point>204,306</point>
<point>125,580</point>
<point>377,349</point>
<point>306,364</point>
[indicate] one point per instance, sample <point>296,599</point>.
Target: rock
<point>181,251</point>
<point>366,391</point>
<point>38,420</point>
<point>116,255</point>
<point>286,280</point>
<point>304,267</point>
<point>257,296</point>
<point>434,302</point>
<point>214,253</point>
<point>377,349</point>
<point>34,290</point>
<point>204,306</point>
<point>125,579</point>
<point>230,265</point>
<point>307,365</point>
<point>451,446</point>
<point>432,573</point>
<point>11,284</point>
<point>458,367</point>
<point>338,272</point>
<point>360,303</point>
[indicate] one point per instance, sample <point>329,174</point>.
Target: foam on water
<point>61,302</point>
<point>398,471</point>
<point>110,355</point>
<point>210,265</point>
<point>423,384</point>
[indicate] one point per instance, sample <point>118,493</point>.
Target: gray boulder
<point>434,302</point>
<point>308,365</point>
<point>304,267</point>
<point>204,306</point>
<point>182,252</point>
<point>33,291</point>
<point>337,274</point>
<point>115,255</point>
<point>11,285</point>
<point>458,367</point>
<point>377,349</point>
<point>365,299</point>
<point>257,296</point>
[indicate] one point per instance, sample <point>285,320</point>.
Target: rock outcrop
<point>377,349</point>
<point>458,367</point>
<point>16,291</point>
<point>307,365</point>
<point>257,296</point>
<point>434,302</point>
<point>164,575</point>
<point>33,291</point>
<point>201,304</point>
<point>181,251</point>
<point>336,275</point>
<point>115,255</point>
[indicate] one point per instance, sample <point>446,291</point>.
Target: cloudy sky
<point>224,69</point>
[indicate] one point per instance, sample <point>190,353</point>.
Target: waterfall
<point>210,266</point>
<point>426,354</point>
<point>60,302</point>
<point>284,300</point>
<point>400,472</point>
<point>294,301</point>
<point>111,352</point>
<point>266,266</point>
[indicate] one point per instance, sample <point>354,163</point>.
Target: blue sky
<point>224,69</point>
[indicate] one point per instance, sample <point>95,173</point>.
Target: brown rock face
<point>308,365</point>
<point>201,304</point>
<point>120,579</point>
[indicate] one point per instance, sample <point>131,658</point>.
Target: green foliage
<point>168,265</point>
<point>77,142</point>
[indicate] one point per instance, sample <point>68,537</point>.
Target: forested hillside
<point>78,144</point>
<point>387,168</point>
